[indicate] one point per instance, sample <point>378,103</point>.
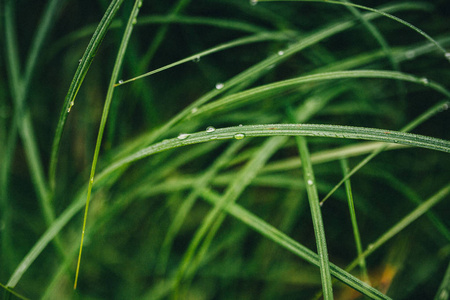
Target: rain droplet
<point>370,246</point>
<point>196,59</point>
<point>310,182</point>
<point>210,129</point>
<point>240,125</point>
<point>92,180</point>
<point>253,2</point>
<point>425,81</point>
<point>239,136</point>
<point>280,52</point>
<point>447,56</point>
<point>219,86</point>
<point>444,106</point>
<point>72,103</point>
<point>140,4</point>
<point>120,81</point>
<point>134,21</point>
<point>194,110</point>
<point>183,136</point>
<point>80,60</point>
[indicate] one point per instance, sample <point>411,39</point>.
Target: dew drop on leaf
<point>239,136</point>
<point>183,136</point>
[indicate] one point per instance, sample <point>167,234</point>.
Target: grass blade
<point>77,80</point>
<point>109,96</point>
<point>319,230</point>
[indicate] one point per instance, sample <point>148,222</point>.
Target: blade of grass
<point>109,96</point>
<point>351,206</point>
<point>258,93</point>
<point>319,230</point>
<point>403,223</point>
<point>77,80</point>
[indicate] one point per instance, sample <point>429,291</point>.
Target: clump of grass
<point>244,150</point>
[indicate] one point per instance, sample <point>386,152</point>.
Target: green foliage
<point>250,150</point>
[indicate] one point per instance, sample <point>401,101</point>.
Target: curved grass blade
<point>109,96</point>
<point>333,131</point>
<point>239,99</point>
<point>261,37</point>
<point>77,80</point>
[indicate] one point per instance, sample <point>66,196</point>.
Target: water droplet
<point>239,136</point>
<point>410,54</point>
<point>240,125</point>
<point>447,56</point>
<point>194,110</point>
<point>280,52</point>
<point>68,110</point>
<point>134,21</point>
<point>425,81</point>
<point>219,86</point>
<point>253,2</point>
<point>196,59</point>
<point>183,136</point>
<point>310,182</point>
<point>80,60</point>
<point>370,246</point>
<point>120,81</point>
<point>444,106</point>
<point>140,4</point>
<point>92,180</point>
<point>72,103</point>
<point>395,141</point>
<point>210,129</point>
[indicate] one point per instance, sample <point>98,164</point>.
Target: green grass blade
<point>403,223</point>
<point>109,96</point>
<point>77,80</point>
<point>261,37</point>
<point>351,206</point>
<point>316,214</point>
<point>258,93</point>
